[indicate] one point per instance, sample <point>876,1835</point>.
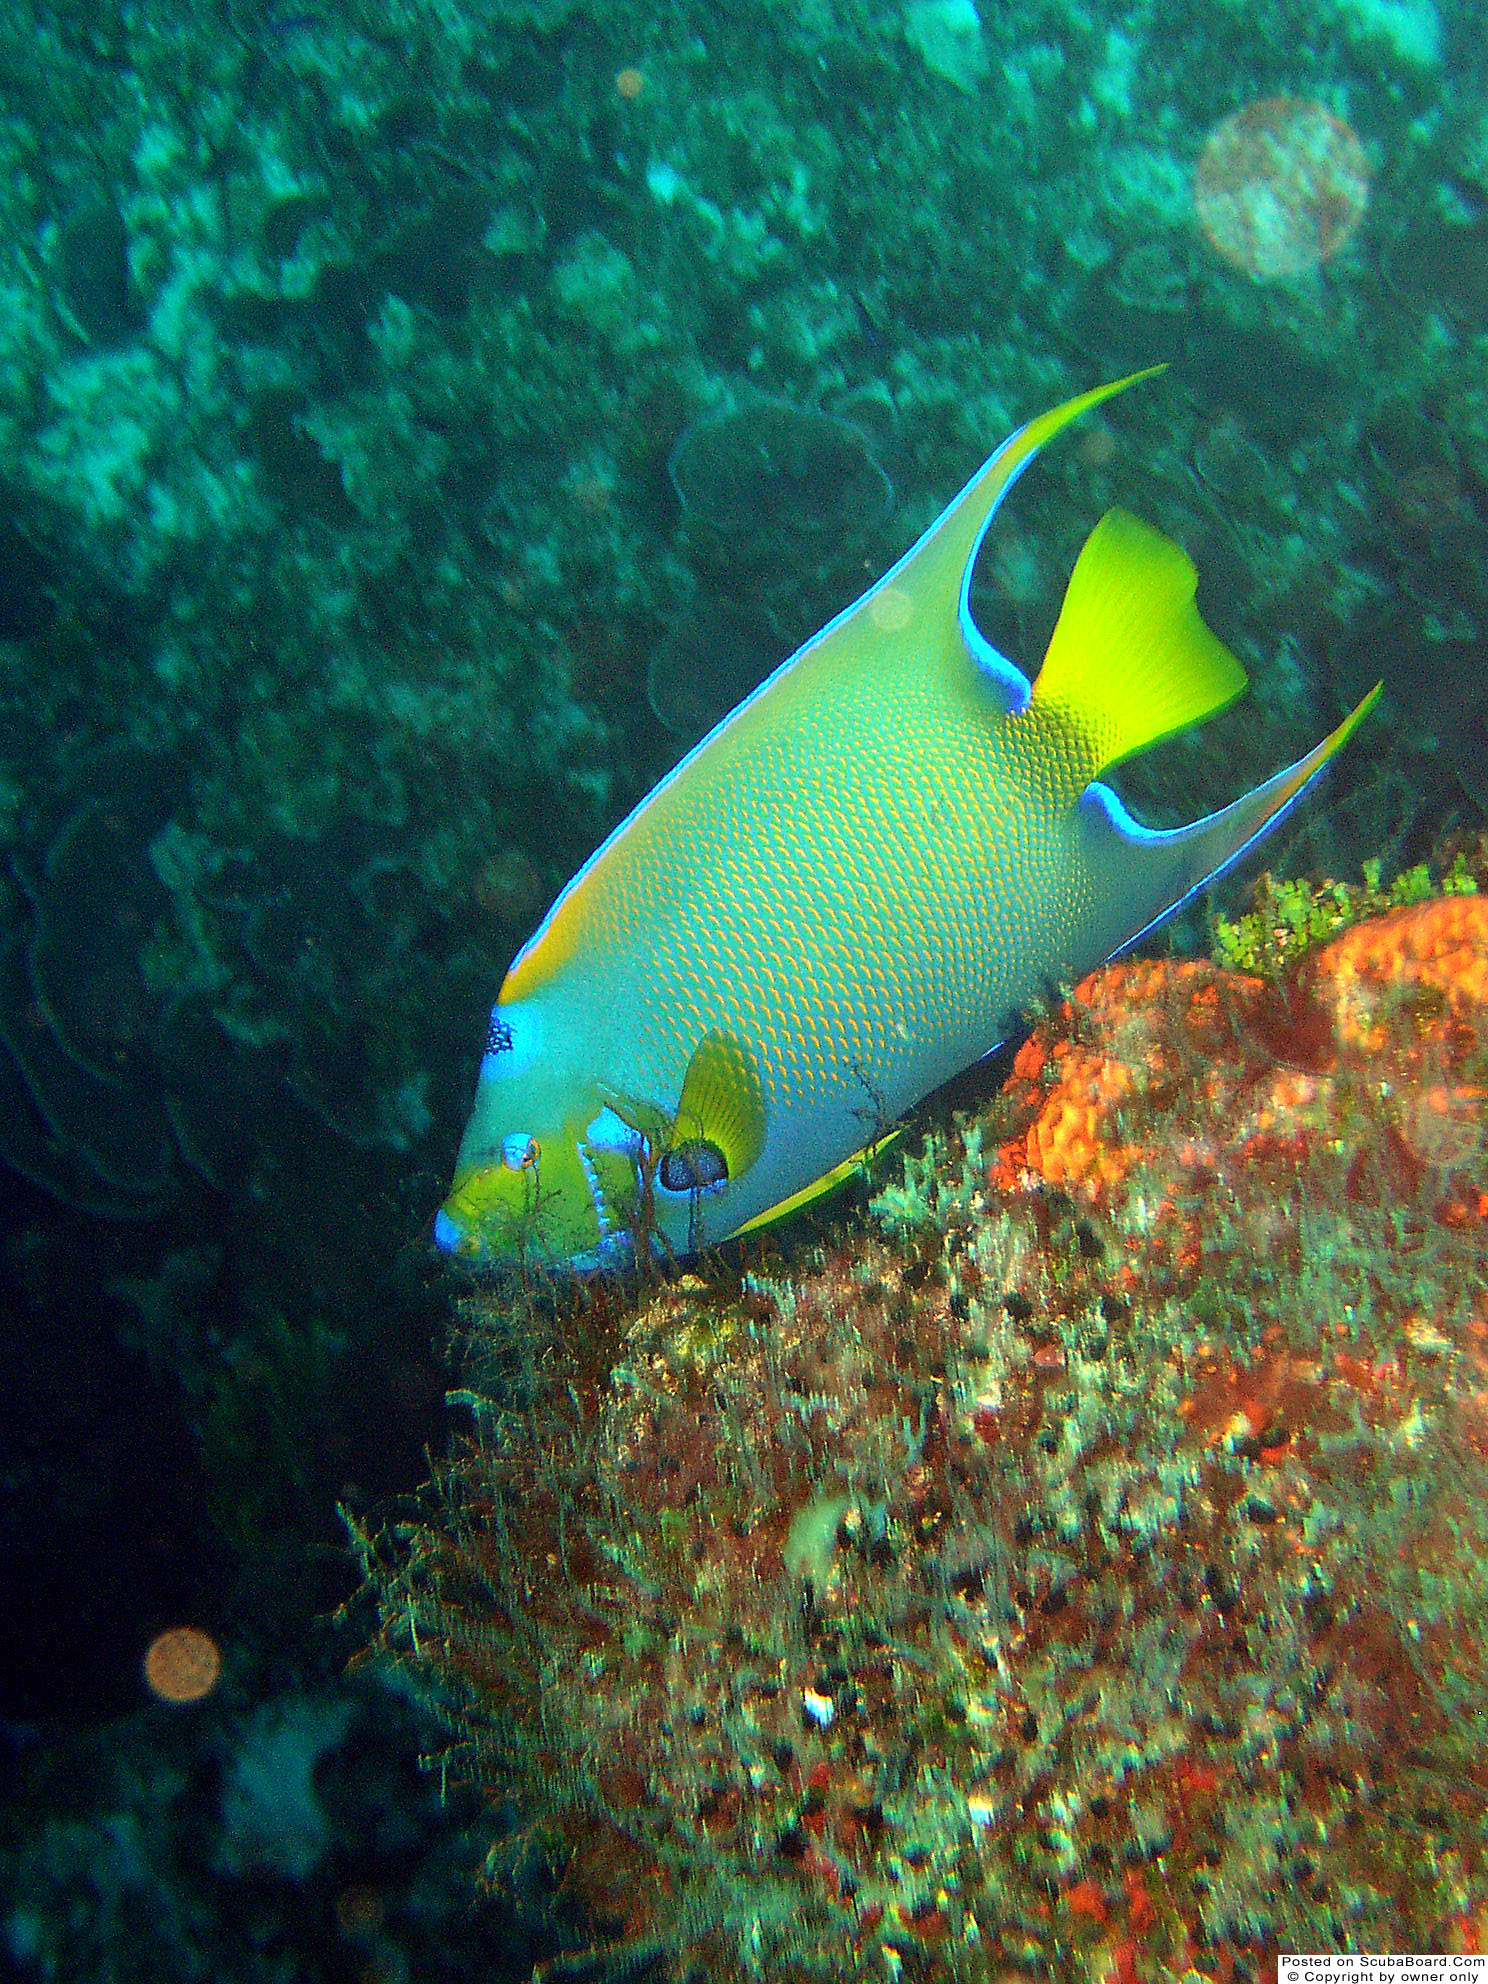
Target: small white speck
<point>821,1708</point>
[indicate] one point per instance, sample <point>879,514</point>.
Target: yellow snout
<point>538,1204</point>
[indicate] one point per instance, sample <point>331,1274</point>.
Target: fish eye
<point>696,1166</point>
<point>519,1152</point>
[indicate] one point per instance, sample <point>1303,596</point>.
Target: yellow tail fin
<point>1130,660</point>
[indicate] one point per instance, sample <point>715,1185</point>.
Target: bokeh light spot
<point>182,1664</point>
<point>1280,186</point>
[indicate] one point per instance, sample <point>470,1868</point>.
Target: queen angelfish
<point>845,895</point>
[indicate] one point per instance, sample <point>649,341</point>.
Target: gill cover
<point>524,1180</point>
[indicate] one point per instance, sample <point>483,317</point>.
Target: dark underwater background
<point>418,422</point>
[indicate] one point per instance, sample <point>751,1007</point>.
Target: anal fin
<point>1153,873</point>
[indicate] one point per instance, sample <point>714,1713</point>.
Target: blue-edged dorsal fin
<point>940,566</point>
<point>919,612</point>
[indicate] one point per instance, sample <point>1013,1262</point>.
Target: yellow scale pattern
<point>857,890</point>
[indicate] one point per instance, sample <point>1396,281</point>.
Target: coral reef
<point>1289,918</point>
<point>287,1840</point>
<point>1081,1565</point>
<point>272,1818</point>
<point>760,476</point>
<point>707,663</point>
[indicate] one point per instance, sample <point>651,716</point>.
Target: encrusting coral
<point>1081,1566</point>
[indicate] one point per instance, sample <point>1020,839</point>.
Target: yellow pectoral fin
<point>1130,660</point>
<point>722,1101</point>
<point>840,1174</point>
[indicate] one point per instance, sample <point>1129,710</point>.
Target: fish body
<point>846,894</point>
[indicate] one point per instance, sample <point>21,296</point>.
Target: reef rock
<point>1077,1566</point>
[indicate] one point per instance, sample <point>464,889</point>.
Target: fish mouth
<point>574,1215</point>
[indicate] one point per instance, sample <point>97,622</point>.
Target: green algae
<point>1292,917</point>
